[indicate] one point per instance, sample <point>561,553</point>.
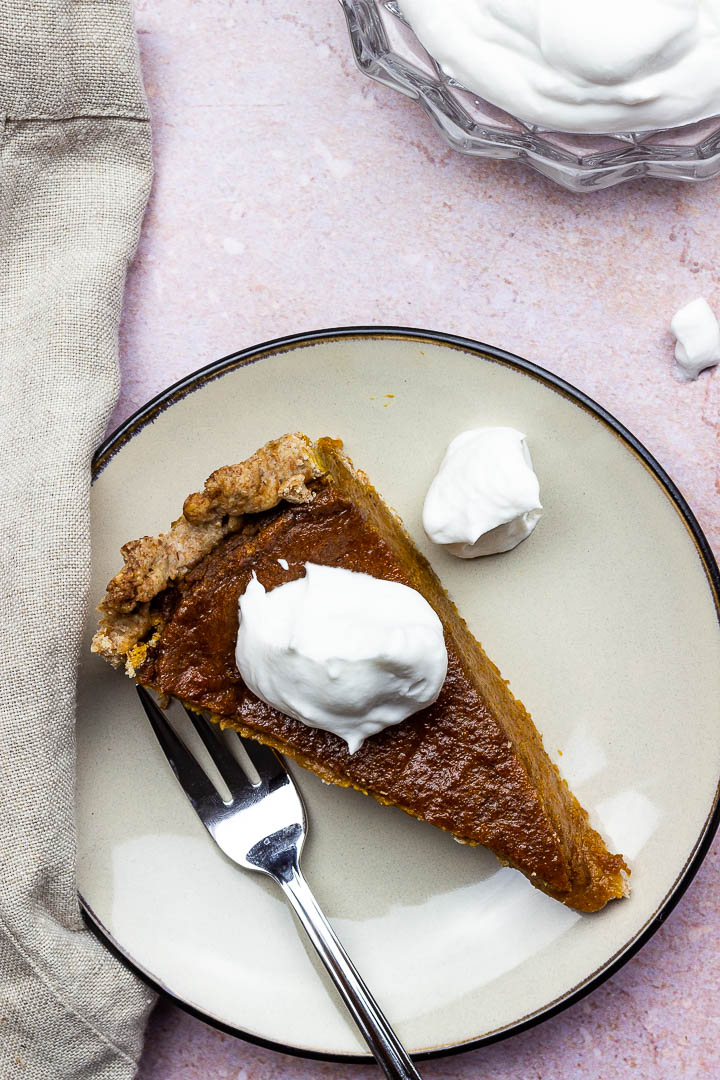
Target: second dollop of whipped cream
<point>485,497</point>
<point>580,66</point>
<point>341,650</point>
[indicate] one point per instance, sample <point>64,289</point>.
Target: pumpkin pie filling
<point>471,763</point>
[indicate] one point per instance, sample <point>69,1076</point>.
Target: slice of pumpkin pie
<point>472,762</point>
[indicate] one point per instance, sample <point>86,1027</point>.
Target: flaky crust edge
<point>279,471</point>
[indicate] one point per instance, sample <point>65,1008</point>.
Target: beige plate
<point>604,622</point>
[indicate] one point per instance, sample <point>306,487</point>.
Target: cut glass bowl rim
<point>387,51</point>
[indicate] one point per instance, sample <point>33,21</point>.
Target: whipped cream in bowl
<point>485,497</point>
<point>578,66</point>
<point>341,650</point>
<point>589,95</point>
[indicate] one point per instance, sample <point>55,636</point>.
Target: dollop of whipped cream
<point>340,650</point>
<point>485,497</point>
<point>698,337</point>
<point>573,65</point>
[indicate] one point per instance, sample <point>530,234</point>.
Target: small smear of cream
<point>698,338</point>
<point>284,564</point>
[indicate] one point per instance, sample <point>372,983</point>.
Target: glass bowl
<point>387,50</point>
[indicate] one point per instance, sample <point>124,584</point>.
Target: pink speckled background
<point>292,194</point>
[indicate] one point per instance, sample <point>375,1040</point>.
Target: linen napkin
<point>75,170</point>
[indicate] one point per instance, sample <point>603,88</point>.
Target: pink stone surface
<point>293,194</point>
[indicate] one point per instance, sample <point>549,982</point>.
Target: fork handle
<point>387,1049</point>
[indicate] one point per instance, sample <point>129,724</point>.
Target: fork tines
<point>191,774</point>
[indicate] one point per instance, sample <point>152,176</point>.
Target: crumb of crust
<point>137,655</point>
<point>116,635</point>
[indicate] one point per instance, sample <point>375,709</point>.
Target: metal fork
<point>263,827</point>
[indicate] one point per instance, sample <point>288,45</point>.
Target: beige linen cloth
<point>75,172</point>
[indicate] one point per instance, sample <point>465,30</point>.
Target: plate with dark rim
<point>605,622</point>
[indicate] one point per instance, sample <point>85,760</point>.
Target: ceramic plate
<point>605,623</point>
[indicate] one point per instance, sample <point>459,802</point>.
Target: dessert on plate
<point>471,761</point>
